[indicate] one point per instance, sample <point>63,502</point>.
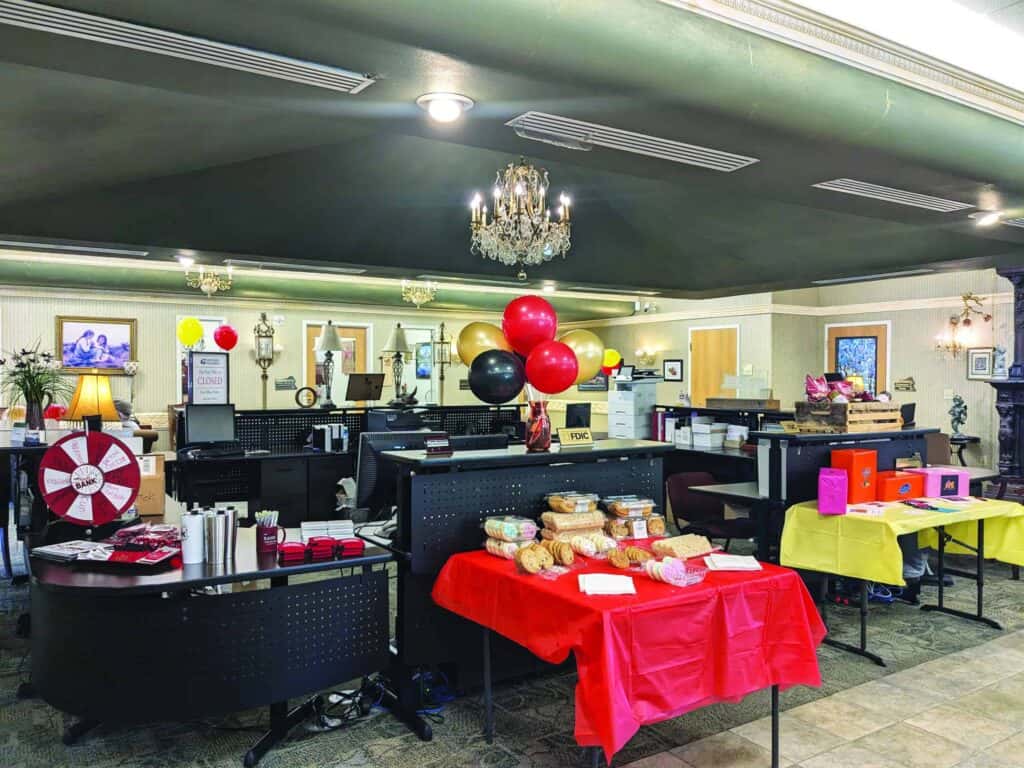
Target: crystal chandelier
<point>418,293</point>
<point>209,281</point>
<point>520,232</point>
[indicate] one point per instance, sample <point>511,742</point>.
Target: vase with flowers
<point>33,377</point>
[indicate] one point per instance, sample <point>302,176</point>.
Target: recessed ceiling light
<point>186,261</point>
<point>444,107</point>
<point>548,288</point>
<point>987,218</point>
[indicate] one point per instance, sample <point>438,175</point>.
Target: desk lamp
<point>395,350</point>
<point>328,342</point>
<point>92,402</point>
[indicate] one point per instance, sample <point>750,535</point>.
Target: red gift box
<point>862,469</point>
<point>895,486</point>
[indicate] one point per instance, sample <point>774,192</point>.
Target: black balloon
<point>497,376</point>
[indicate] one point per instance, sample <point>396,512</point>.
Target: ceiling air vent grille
<point>540,126</point>
<point>59,21</point>
<point>892,195</point>
<point>1014,222</point>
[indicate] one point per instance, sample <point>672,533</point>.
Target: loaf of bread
<point>557,521</point>
<point>548,535</point>
<point>683,547</point>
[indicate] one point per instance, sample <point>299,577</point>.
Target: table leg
<point>960,454</point>
<point>281,722</point>
<point>488,697</point>
<point>762,514</point>
<point>862,649</point>
<point>978,576</point>
<point>775,726</point>
<point>595,757</point>
<point>1015,572</point>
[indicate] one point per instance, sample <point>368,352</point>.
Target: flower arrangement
<point>33,377</point>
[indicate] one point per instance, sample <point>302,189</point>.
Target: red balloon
<point>527,322</point>
<point>226,337</point>
<point>609,370</point>
<point>552,367</point>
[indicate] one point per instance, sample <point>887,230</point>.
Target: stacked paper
<point>606,584</point>
<point>721,562</point>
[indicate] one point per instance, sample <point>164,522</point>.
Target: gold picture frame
<point>103,344</point>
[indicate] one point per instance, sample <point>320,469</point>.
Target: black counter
<point>517,455</point>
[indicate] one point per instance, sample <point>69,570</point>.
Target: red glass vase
<point>538,427</point>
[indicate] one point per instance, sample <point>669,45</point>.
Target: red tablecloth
<point>653,656</point>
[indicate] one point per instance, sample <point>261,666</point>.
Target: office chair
<point>704,515</point>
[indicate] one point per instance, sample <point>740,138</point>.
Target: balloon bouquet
<point>524,352</point>
<point>190,334</point>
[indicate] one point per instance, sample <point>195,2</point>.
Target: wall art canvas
<point>103,343</point>
<point>672,370</point>
<point>858,356</point>
<point>424,360</point>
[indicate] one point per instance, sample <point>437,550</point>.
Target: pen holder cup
<point>268,537</point>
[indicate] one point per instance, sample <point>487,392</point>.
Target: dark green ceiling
<point>106,144</point>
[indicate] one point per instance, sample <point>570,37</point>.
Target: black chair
<point>704,515</point>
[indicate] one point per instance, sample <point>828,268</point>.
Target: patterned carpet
<point>534,718</point>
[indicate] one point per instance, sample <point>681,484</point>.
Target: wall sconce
<point>646,357</point>
<point>957,336</point>
<point>264,347</point>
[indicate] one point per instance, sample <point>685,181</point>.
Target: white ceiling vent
<point>1013,222</point>
<point>563,131</point>
<point>892,195</point>
<point>59,21</point>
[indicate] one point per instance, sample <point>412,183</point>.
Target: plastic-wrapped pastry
<point>583,545</point>
<point>656,525</point>
<point>510,528</point>
<point>669,569</point>
<point>562,551</point>
<point>629,506</point>
<point>637,527</point>
<point>683,547</point>
<point>548,535</point>
<point>557,521</point>
<point>616,529</point>
<point>506,549</point>
<point>571,501</point>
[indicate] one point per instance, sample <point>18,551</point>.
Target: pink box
<point>944,481</point>
<point>832,489</point>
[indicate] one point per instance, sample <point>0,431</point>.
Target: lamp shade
<point>328,340</point>
<point>397,341</point>
<point>92,398</point>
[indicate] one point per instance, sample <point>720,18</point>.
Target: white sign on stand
<point>208,378</point>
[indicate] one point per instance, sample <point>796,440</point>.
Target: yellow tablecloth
<point>1004,538</point>
<point>865,547</point>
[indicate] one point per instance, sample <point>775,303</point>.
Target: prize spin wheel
<point>89,478</point>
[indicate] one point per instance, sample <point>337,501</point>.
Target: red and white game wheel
<point>89,478</point>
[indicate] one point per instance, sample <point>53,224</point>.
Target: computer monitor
<point>206,424</point>
<point>908,411</point>
<point>577,415</point>
<point>364,386</point>
<point>376,480</point>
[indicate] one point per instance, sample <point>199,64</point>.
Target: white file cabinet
<point>630,405</point>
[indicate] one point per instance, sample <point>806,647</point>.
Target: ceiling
<point>101,144</point>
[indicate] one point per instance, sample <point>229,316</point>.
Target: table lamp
<point>92,402</point>
<point>328,342</point>
<point>395,350</point>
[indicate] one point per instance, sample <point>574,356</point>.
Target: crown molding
<point>800,310</point>
<point>816,33</point>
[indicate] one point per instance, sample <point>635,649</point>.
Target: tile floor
<point>965,710</point>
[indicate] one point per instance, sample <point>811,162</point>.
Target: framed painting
<point>857,356</point>
<point>979,363</point>
<point>101,343</point>
<point>424,360</point>
<point>672,370</point>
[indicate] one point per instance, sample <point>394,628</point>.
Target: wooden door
<point>859,350</point>
<point>713,355</point>
<point>353,359</point>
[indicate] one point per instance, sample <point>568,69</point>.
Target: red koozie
<point>862,469</point>
<point>896,486</point>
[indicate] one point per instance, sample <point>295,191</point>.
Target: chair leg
<point>727,543</point>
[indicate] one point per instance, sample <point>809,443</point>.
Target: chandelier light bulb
<point>988,219</point>
<point>187,262</point>
<point>496,192</point>
<point>520,190</point>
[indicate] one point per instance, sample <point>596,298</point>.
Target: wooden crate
<point>742,403</point>
<point>848,417</point>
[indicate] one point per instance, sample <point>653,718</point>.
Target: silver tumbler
<point>216,538</point>
<point>231,538</point>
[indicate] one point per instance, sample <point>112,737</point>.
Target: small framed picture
<point>979,363</point>
<point>672,370</point>
<point>104,343</point>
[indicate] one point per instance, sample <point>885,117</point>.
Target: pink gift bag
<point>832,486</point>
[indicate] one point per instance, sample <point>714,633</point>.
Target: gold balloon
<point>589,350</point>
<point>479,337</point>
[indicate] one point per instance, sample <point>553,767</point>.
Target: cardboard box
<point>861,469</point>
<point>944,481</point>
<point>150,500</point>
<point>896,486</point>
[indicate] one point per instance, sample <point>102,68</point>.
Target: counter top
<point>516,455</point>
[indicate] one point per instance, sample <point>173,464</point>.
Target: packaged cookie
<point>616,529</point>
<point>510,528</point>
<point>656,525</point>
<point>506,549</point>
<point>618,558</point>
<point>601,542</point>
<point>628,506</point>
<point>562,551</point>
<point>638,555</point>
<point>528,559</point>
<point>567,502</point>
<point>548,535</point>
<point>683,547</point>
<point>583,545</point>
<point>636,527</point>
<point>559,521</point>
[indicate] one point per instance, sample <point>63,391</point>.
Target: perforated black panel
<point>478,420</point>
<point>129,659</point>
<point>448,509</point>
<point>287,430</point>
